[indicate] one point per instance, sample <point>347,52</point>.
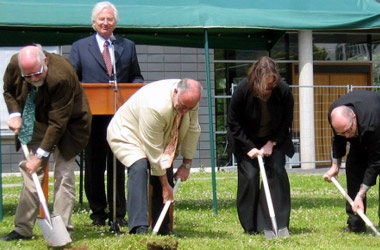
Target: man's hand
<point>253,153</point>
<point>332,172</point>
<point>358,204</point>
<point>167,190</point>
<point>14,124</point>
<point>32,165</point>
<point>267,149</point>
<point>183,173</point>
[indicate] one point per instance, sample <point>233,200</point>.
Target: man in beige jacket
<point>138,135</point>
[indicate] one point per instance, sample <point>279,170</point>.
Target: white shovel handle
<point>165,209</point>
<point>40,193</point>
<point>359,211</point>
<point>267,193</point>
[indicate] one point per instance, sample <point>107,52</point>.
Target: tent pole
<point>211,124</point>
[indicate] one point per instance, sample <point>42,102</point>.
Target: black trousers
<point>251,201</point>
<point>356,165</point>
<point>137,202</point>
<point>98,158</point>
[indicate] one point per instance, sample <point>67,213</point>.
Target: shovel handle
<point>40,193</point>
<point>267,193</point>
<point>359,211</point>
<point>165,209</point>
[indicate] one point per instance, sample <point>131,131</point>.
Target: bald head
<point>186,95</point>
<point>343,120</point>
<point>33,64</point>
<point>30,56</point>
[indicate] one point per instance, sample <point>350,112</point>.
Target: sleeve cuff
<point>15,114</point>
<point>42,152</point>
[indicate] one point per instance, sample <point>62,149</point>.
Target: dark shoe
<point>141,230</point>
<point>15,236</point>
<point>352,229</point>
<point>98,222</point>
<point>120,221</point>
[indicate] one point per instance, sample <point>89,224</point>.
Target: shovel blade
<point>283,232</point>
<point>56,235</point>
<point>269,234</point>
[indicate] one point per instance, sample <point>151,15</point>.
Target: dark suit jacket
<point>244,116</point>
<point>88,62</point>
<point>366,105</point>
<point>61,104</point>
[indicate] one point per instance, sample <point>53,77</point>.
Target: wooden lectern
<point>101,97</point>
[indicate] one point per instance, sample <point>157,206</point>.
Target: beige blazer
<point>143,126</point>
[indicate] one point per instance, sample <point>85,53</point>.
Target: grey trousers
<point>64,190</point>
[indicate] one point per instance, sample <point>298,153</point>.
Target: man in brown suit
<point>61,126</point>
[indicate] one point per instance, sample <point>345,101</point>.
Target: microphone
<point>113,39</point>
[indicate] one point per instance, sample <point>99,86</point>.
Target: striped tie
<point>168,156</point>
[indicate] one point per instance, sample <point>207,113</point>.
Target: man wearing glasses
<point>59,119</point>
<point>139,135</point>
<point>355,118</point>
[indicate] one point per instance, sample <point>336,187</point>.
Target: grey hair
<point>183,86</point>
<point>99,7</point>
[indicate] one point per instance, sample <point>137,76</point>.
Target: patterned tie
<point>26,131</point>
<point>168,156</point>
<point>107,59</point>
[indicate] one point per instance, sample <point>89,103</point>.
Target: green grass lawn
<point>317,219</point>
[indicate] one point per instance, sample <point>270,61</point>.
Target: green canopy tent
<point>239,24</point>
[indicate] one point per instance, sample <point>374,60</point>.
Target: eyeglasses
<point>34,74</point>
<point>348,131</point>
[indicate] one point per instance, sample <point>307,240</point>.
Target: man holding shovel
<point>49,113</point>
<point>259,119</point>
<point>145,134</point>
<point>355,119</point>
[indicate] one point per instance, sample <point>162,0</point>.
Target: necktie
<point>107,59</point>
<point>168,156</point>
<point>27,125</point>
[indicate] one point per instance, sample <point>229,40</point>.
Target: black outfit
<point>244,118</point>
<point>88,62</point>
<point>363,159</point>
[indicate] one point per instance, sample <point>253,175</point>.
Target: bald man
<point>355,118</point>
<point>138,135</point>
<point>62,124</point>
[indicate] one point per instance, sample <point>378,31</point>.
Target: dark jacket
<point>366,106</point>
<point>88,62</point>
<point>244,116</point>
<point>61,104</point>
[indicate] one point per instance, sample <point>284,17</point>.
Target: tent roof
<point>231,24</point>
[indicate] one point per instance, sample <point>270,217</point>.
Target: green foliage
<point>317,219</point>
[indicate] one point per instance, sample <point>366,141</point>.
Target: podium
<point>101,96</point>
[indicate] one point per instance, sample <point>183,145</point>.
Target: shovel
<point>283,232</point>
<point>165,209</point>
<point>53,229</point>
<point>359,211</point>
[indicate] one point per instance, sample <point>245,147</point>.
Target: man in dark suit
<point>61,125</point>
<point>87,58</point>
<point>355,118</point>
